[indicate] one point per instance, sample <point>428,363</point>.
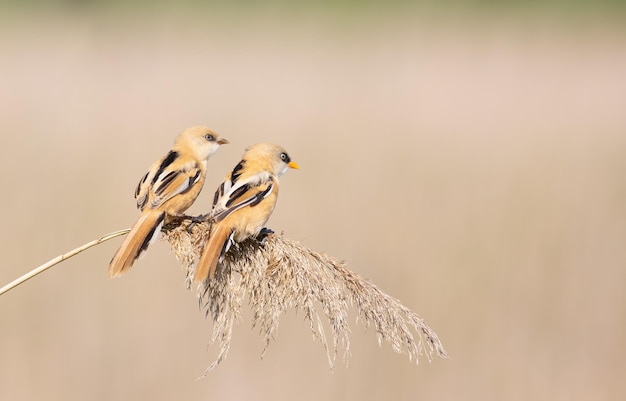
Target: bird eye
<point>209,137</point>
<point>284,157</point>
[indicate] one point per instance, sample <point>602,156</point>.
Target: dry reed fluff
<point>279,274</point>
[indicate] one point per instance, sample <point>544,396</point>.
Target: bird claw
<point>195,220</point>
<point>263,234</point>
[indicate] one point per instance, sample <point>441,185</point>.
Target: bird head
<point>203,141</point>
<point>270,157</point>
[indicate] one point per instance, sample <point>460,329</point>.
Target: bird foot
<point>195,220</point>
<point>263,234</point>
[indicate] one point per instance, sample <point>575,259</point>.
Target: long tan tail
<point>214,249</point>
<point>141,235</point>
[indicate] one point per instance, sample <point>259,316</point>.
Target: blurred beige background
<point>469,162</point>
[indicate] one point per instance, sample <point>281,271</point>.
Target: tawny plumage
<point>168,189</point>
<point>243,203</point>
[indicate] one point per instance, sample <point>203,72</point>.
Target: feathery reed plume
<point>279,274</point>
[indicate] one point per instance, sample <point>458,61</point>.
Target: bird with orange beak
<point>243,203</point>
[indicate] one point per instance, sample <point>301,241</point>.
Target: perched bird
<point>243,202</point>
<point>168,189</point>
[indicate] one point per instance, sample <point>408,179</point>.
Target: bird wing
<point>234,195</point>
<point>143,189</point>
<point>170,176</point>
<point>174,180</point>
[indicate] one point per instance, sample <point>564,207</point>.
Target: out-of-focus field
<point>474,168</point>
